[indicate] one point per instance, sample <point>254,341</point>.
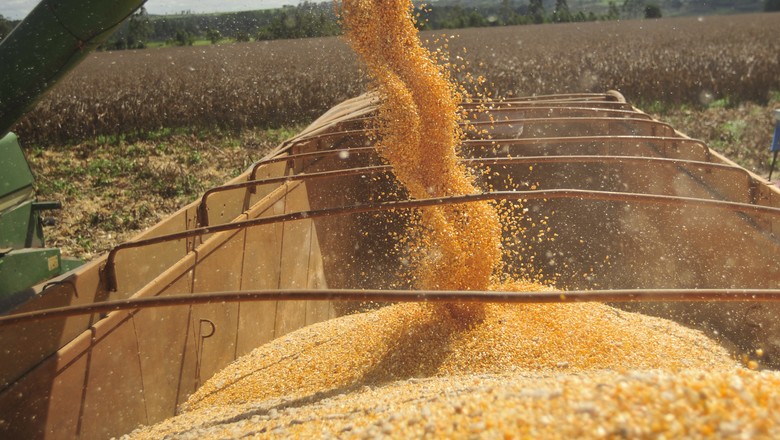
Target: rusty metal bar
<point>109,273</point>
<point>304,137</point>
<point>315,154</point>
<point>502,122</point>
<point>608,112</point>
<point>203,216</point>
<point>559,97</point>
<point>601,159</point>
<point>546,297</point>
<point>476,143</point>
<point>591,99</point>
<point>310,154</point>
<point>552,121</point>
<point>471,143</point>
<point>572,139</point>
<point>557,120</point>
<point>522,105</point>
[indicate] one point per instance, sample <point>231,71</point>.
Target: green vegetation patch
<point>112,189</point>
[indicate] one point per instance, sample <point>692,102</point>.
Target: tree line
<point>320,20</point>
<point>305,20</point>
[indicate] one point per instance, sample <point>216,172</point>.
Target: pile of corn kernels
<point>585,370</point>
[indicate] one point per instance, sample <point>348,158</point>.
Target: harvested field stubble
<point>679,60</point>
<point>111,192</point>
<point>742,132</point>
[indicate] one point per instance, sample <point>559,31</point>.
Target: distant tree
<point>264,34</point>
<point>633,8</point>
<point>327,24</point>
<point>507,14</point>
<point>242,37</point>
<point>771,5</point>
<point>6,26</point>
<point>184,38</point>
<point>118,44</point>
<point>475,19</point>
<point>305,20</point>
<point>561,13</point>
<point>653,11</point>
<point>454,19</point>
<point>139,29</point>
<point>214,35</point>
<point>613,13</point>
<point>536,11</point>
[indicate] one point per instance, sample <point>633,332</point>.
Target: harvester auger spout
<point>50,41</point>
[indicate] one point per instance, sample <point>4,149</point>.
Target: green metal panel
<point>70,263</point>
<point>15,226</point>
<point>23,268</point>
<point>15,174</point>
<point>55,37</point>
<point>17,220</point>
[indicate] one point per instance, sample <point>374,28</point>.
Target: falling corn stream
<point>419,134</point>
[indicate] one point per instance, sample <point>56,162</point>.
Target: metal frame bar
<point>555,121</point>
<point>619,113</point>
<point>376,295</point>
<point>593,138</point>
<point>203,218</point>
<point>482,143</point>
<point>610,96</point>
<point>108,271</point>
<point>520,105</point>
<point>641,118</point>
<point>311,154</point>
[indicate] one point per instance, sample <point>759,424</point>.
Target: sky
<point>18,9</point>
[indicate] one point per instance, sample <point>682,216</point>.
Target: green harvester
<point>24,259</point>
<point>54,38</point>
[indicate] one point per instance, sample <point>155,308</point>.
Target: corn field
<point>675,61</point>
<point>691,60</point>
